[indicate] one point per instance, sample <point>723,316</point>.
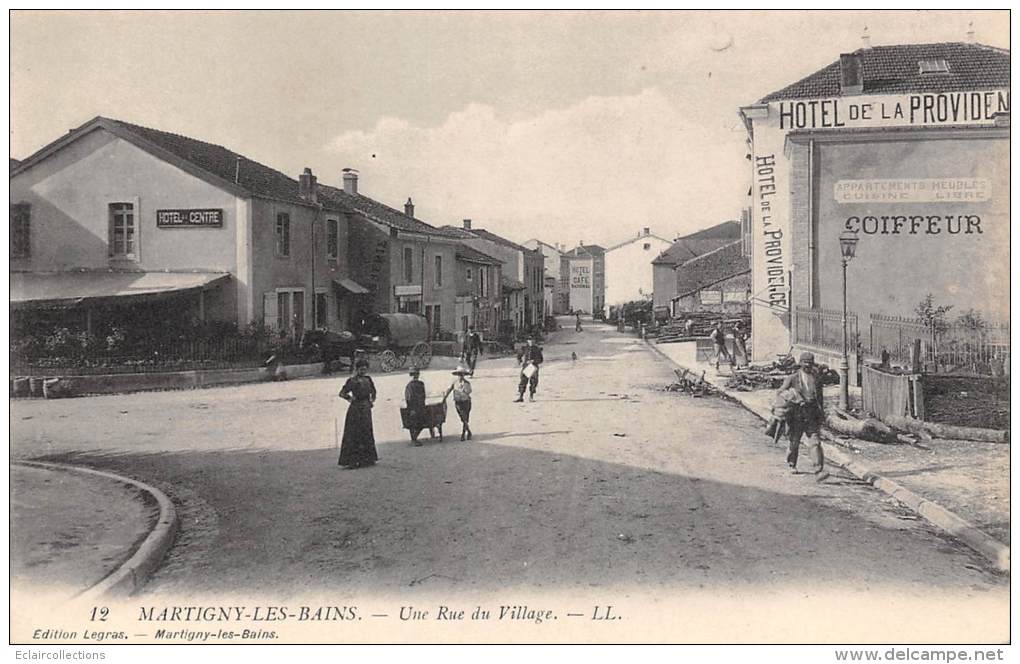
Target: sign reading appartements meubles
<point>911,110</point>
<point>205,218</point>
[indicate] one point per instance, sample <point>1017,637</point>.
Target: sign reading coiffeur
<point>207,218</point>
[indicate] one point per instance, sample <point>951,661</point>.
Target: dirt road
<point>606,490</point>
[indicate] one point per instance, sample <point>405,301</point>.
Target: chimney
<point>851,74</point>
<point>307,187</point>
<point>865,38</point>
<point>409,207</point>
<point>350,181</point>
<point>970,33</point>
<point>647,231</point>
<point>467,224</point>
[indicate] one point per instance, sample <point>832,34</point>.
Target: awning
<point>350,286</point>
<point>61,290</point>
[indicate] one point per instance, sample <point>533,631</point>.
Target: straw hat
<point>461,370</point>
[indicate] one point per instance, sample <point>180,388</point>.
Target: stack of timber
<point>675,329</point>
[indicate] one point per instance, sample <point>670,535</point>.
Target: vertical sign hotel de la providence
<point>876,143</point>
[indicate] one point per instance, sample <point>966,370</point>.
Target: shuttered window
<point>21,236</point>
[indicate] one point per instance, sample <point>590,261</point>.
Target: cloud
<point>596,171</point>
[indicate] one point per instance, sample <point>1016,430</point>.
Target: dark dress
<point>358,445</point>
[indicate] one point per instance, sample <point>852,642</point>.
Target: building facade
<point>718,281</point>
<point>479,295</point>
<point>683,249</point>
<point>113,216</point>
<point>907,147</point>
<point>587,278</point>
<point>628,268</point>
<point>559,303</point>
<point>522,267</point>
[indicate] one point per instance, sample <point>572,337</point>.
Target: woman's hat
<point>461,370</point>
<point>361,363</point>
<point>414,371</point>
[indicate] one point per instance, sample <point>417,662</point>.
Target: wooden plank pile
<point>688,382</point>
<point>674,330</point>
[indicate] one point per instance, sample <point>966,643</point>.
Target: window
<point>321,310</point>
<point>332,239</point>
<point>437,319</point>
<point>939,66</point>
<point>648,245</point>
<point>481,281</point>
<point>439,271</point>
<point>122,230</point>
<point>406,305</point>
<point>408,264</point>
<point>469,274</point>
<point>21,239</point>
<point>283,234</point>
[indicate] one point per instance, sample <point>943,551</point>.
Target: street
<point>605,490</point>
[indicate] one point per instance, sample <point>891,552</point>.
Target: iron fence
<point>982,348</point>
<point>823,328</point>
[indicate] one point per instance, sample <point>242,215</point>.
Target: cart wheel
<point>387,360</point>
<point>421,355</point>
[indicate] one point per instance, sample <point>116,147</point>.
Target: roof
<point>481,233</point>
<point>379,212</point>
<point>701,242</point>
<point>56,290</point>
<point>639,238</point>
<point>467,253</point>
<point>894,69</point>
<point>220,166</point>
<point>586,250</point>
<point>223,168</point>
<point>14,163</point>
<point>711,268</point>
<point>511,284</point>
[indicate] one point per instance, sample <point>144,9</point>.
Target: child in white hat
<point>461,389</point>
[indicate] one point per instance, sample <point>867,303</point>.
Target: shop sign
<point>735,296</point>
<point>711,297</point>
<point>930,190</point>
<point>916,110</point>
<point>403,291</point>
<point>204,218</point>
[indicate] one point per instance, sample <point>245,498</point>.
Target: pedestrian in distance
<point>718,338</point>
<point>689,328</point>
<point>740,345</point>
<point>531,360</point>
<point>808,415</point>
<point>357,449</point>
<point>472,346</point>
<point>577,324</point>
<point>416,417</point>
<point>461,389</point>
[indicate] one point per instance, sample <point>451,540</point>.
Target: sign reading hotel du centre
<point>205,218</point>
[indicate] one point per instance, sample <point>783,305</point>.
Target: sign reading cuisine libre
<point>206,218</point>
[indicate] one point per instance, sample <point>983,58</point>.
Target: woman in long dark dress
<point>358,446</point>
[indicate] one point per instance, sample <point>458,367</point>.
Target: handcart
<point>435,416</point>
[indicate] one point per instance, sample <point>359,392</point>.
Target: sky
<point>562,126</point>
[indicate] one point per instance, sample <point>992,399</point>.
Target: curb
<point>992,549</point>
<point>135,571</point>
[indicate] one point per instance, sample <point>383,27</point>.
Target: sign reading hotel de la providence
<point>919,109</point>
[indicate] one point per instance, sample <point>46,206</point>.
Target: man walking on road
<point>808,417</point>
<point>472,346</point>
<point>531,359</point>
<point>719,341</point>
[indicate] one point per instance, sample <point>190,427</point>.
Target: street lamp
<point>847,249</point>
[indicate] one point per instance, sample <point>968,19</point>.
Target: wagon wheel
<point>421,355</point>
<point>388,360</point>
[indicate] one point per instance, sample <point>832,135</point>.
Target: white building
<point>629,267</point>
